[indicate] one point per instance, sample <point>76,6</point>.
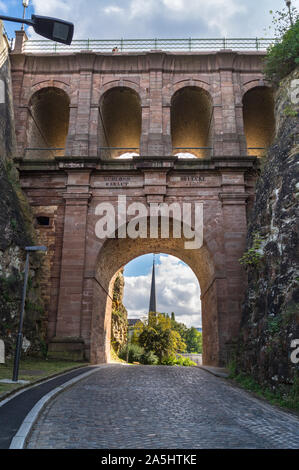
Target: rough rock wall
<point>16,231</point>
<point>271,307</point>
<point>119,321</point>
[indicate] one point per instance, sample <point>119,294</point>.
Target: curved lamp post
<point>25,5</point>
<point>48,27</point>
<point>20,333</point>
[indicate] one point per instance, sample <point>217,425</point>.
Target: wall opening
<point>115,254</point>
<point>119,124</point>
<point>48,123</point>
<point>259,120</point>
<point>192,123</point>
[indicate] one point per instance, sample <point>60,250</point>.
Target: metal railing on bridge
<point>140,45</point>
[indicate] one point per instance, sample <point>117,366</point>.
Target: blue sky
<point>155,18</point>
<point>177,288</point>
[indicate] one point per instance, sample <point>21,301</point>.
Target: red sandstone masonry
<point>82,267</point>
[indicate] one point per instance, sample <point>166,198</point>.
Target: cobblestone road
<point>121,407</point>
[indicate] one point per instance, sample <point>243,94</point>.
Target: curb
<point>217,371</point>
<point>19,440</point>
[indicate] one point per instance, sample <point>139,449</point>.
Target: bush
<point>135,353</point>
<point>283,57</point>
<point>149,358</point>
<point>177,361</point>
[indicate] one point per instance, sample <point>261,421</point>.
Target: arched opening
<point>119,124</point>
<point>174,292</point>
<point>192,123</point>
<point>116,253</point>
<point>259,120</point>
<point>48,126</point>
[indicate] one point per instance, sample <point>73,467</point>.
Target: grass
<point>33,370</point>
<point>289,400</point>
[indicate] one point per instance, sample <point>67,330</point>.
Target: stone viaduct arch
<point>65,189</point>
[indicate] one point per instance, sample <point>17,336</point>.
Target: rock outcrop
<point>119,321</point>
<point>271,308</point>
<point>16,232</point>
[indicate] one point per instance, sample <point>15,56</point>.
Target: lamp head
<point>288,3</point>
<point>36,248</point>
<point>25,3</point>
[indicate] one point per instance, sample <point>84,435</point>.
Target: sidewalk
<point>14,410</point>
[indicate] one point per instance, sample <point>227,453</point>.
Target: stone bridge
<point>78,115</point>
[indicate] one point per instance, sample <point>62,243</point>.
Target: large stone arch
<point>192,119</point>
<point>116,253</point>
<point>120,121</point>
<point>48,122</point>
<point>258,117</point>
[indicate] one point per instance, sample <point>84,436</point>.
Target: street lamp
<point>28,249</point>
<point>288,4</point>
<point>25,5</point>
<point>50,28</point>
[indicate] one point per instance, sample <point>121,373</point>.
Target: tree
<point>194,341</point>
<point>157,335</point>
<point>283,57</point>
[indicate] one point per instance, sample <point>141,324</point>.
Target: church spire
<point>152,304</point>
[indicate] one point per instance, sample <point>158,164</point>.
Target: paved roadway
<point>154,407</point>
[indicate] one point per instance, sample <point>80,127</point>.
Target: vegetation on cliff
<point>283,57</point>
<point>270,319</point>
<point>119,320</point>
<point>16,231</point>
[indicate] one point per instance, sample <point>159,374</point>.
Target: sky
<point>111,19</point>
<point>177,288</point>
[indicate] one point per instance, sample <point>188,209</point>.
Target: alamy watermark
<point>155,220</point>
<point>295,353</point>
<point>295,91</point>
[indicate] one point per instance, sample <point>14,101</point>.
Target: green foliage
<point>179,360</point>
<point>157,335</point>
<point>132,351</point>
<point>149,358</point>
<point>290,111</point>
<point>13,224</point>
<point>194,341</point>
<point>289,399</point>
<point>283,57</point>
<point>274,325</point>
<point>253,256</point>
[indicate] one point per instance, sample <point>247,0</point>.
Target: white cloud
<point>113,10</point>
<point>100,19</point>
<point>177,291</point>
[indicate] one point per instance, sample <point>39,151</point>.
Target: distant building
<point>132,322</point>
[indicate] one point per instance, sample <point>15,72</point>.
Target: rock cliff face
<point>16,231</point>
<point>119,321</point>
<point>271,308</point>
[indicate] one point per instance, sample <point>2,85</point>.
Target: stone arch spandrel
<point>170,89</point>
<point>116,253</point>
<point>99,92</point>
<point>72,96</point>
<point>250,85</point>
